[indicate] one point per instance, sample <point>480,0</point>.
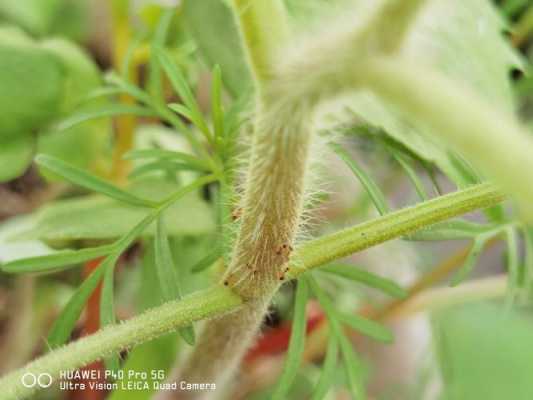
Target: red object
<point>90,326</point>
<point>276,340</point>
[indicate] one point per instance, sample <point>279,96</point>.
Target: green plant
<point>256,250</point>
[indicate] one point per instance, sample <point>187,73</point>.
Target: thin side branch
<point>156,322</point>
<point>394,225</point>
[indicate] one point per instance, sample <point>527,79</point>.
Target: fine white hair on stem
<point>278,175</point>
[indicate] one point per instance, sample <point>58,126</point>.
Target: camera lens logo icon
<point>30,380</point>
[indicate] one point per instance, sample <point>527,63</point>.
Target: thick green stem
<point>272,203</point>
<point>156,322</point>
<point>493,141</point>
<point>387,29</point>
<point>264,29</point>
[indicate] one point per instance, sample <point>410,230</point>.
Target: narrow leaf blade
<point>168,277</point>
<point>513,268</point>
<point>328,370</point>
<point>113,79</point>
<point>367,278</point>
<point>216,102</point>
<point>207,261</point>
<point>411,174</point>
<point>55,262</point>
<point>163,165</point>
<point>367,327</point>
<point>178,81</point>
<point>81,178</point>
<point>107,310</point>
<point>109,110</point>
<point>167,154</point>
<point>352,367</point>
<point>296,343</point>
<point>66,321</point>
<point>352,364</point>
<point>376,195</point>
<point>471,260</point>
<point>64,324</point>
<point>528,259</point>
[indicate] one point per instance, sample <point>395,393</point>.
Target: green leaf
<point>55,261</point>
<point>213,28</point>
<point>90,182</point>
<point>367,278</point>
<point>90,139</point>
<point>352,368</point>
<point>16,154</point>
<point>105,91</point>
<point>81,73</point>
<point>512,7</point>
<point>48,17</point>
<point>134,91</point>
<point>64,324</point>
<point>66,321</point>
<point>178,81</point>
<point>217,110</point>
<point>296,343</point>
<point>108,110</point>
<point>168,276</point>
<point>208,260</point>
<point>107,311</point>
<point>411,173</point>
<point>471,261</point>
<point>184,111</point>
<point>195,117</point>
<point>484,352</point>
<point>528,260</point>
<point>513,263</point>
<point>368,183</point>
<point>367,327</point>
<point>168,154</point>
<point>96,217</point>
<point>164,165</point>
<point>328,370</point>
<point>352,364</point>
<point>158,40</point>
<point>32,84</point>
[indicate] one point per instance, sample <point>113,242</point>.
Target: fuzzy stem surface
<point>147,326</point>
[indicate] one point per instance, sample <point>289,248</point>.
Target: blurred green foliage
<point>42,81</point>
<point>485,353</point>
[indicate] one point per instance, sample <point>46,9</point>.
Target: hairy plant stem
<point>272,203</point>
<point>271,212</point>
<point>147,326</point>
<point>275,187</point>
